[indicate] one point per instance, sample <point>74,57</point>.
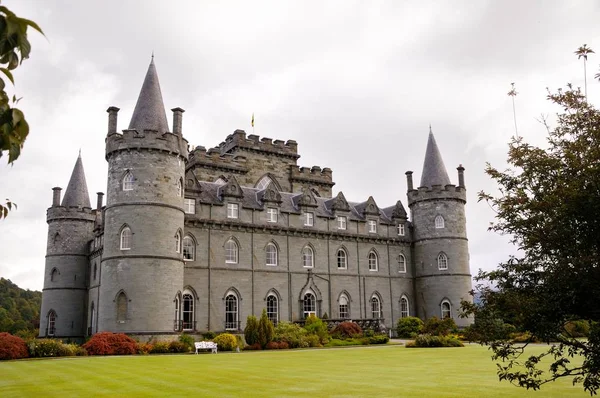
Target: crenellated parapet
<point>56,213</point>
<point>254,143</point>
<point>437,192</point>
<point>146,140</point>
<point>312,175</point>
<point>213,159</point>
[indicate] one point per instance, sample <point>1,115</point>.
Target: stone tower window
<point>231,312</point>
<point>404,307</point>
<point>308,260</point>
<point>126,238</point>
<point>51,323</point>
<point>180,187</point>
<point>401,263</point>
<point>271,252</point>
<point>178,242</point>
<point>53,275</point>
<point>375,307</point>
<point>231,252</point>
<point>121,307</point>
<point>439,222</point>
<point>271,214</point>
<point>446,309</point>
<point>309,219</point>
<point>309,305</point>
<point>373,263</point>
<point>188,248</point>
<point>273,309</point>
<point>128,181</point>
<point>342,259</point>
<point>344,307</point>
<point>233,210</point>
<point>187,311</point>
<point>442,261</point>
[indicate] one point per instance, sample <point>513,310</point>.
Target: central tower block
<point>142,265</point>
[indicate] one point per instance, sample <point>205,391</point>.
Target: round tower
<point>142,265</point>
<point>441,250</point>
<point>70,229</point>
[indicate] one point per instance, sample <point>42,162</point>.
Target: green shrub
<point>266,330</point>
<point>580,328</point>
<point>427,341</point>
<point>439,327</point>
<point>409,327</point>
<point>160,347</point>
<point>378,339</point>
<point>188,341</point>
<point>341,343</point>
<point>251,330</point>
<point>226,342</point>
<point>316,326</point>
<point>12,347</point>
<point>346,330</point>
<point>293,334</point>
<point>209,335</point>
<point>178,347</point>
<point>42,348</point>
<point>313,340</point>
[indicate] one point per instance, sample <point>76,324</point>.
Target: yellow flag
<point>252,119</point>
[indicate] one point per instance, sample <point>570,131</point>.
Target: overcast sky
<point>355,83</point>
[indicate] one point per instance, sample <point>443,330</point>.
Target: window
<point>309,219</point>
<point>233,210</point>
<point>180,187</point>
<point>271,251</point>
<point>51,323</point>
<point>177,317</point>
<point>341,222</point>
<point>401,230</point>
<point>178,242</point>
<point>273,309</point>
<point>53,275</point>
<point>271,214</point>
<point>442,261</point>
<point>220,181</point>
<point>404,307</point>
<point>342,259</point>
<point>189,206</point>
<point>309,305</point>
<point>446,309</point>
<point>231,252</point>
<point>121,307</point>
<point>375,307</point>
<point>263,183</point>
<point>128,182</point>
<point>92,319</point>
<point>126,238</point>
<point>344,309</point>
<point>373,261</point>
<point>307,257</point>
<point>439,222</point>
<point>189,248</point>
<point>401,263</point>
<point>372,224</point>
<point>231,312</point>
<point>95,270</point>
<point>187,311</point>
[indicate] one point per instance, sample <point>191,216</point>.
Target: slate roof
<point>434,171</point>
<point>149,112</point>
<point>76,194</point>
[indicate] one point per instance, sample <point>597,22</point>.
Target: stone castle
<point>197,241</point>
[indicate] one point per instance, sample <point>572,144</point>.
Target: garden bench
<point>206,345</point>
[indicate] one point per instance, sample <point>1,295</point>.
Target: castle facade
<point>197,241</point>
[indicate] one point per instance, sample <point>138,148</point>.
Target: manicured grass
<point>379,371</point>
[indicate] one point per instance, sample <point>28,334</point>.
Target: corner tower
<point>142,265</point>
<point>70,228</point>
<point>442,273</point>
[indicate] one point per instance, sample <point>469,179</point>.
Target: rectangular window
<point>341,222</point>
<point>272,214</point>
<point>233,210</point>
<point>309,219</point>
<point>401,229</point>
<point>372,226</point>
<point>189,206</point>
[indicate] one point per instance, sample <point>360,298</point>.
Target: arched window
<point>177,317</point>
<point>221,181</point>
<point>273,309</point>
<point>180,188</point>
<point>264,182</point>
<point>121,307</point>
<point>375,307</point>
<point>373,263</point>
<point>446,309</point>
<point>231,252</point>
<point>231,312</point>
<point>51,323</point>
<point>187,311</point>
<point>189,248</point>
<point>95,270</point>
<point>344,307</point>
<point>404,307</point>
<point>92,319</point>
<point>401,263</point>
<point>309,305</point>
<point>342,259</point>
<point>439,222</point>
<point>308,260</point>
<point>271,252</point>
<point>126,238</point>
<point>128,181</point>
<point>53,275</point>
<point>442,261</point>
<point>178,242</point>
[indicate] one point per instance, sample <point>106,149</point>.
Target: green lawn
<point>378,371</point>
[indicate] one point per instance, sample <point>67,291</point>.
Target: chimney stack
<point>112,119</point>
<point>56,196</point>
<point>177,120</point>
<point>461,175</point>
<point>409,180</point>
<point>99,201</point>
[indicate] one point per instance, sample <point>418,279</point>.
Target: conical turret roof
<point>434,171</point>
<point>149,112</point>
<point>77,192</point>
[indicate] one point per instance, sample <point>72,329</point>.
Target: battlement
<point>214,159</point>
<point>253,142</point>
<point>148,139</point>
<point>55,213</point>
<point>313,175</point>
<point>436,192</point>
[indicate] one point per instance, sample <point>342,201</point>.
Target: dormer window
<point>233,210</point>
<point>309,219</point>
<point>128,182</point>
<point>401,230</point>
<point>439,222</point>
<point>372,226</point>
<point>271,214</point>
<point>189,206</point>
<point>341,222</point>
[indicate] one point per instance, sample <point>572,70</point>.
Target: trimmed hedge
<point>43,348</point>
<point>107,343</point>
<point>428,341</point>
<point>12,347</point>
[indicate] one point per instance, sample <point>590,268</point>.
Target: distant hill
<point>19,308</point>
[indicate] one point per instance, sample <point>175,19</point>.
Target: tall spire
<point>149,112</point>
<point>77,192</point>
<point>434,171</point>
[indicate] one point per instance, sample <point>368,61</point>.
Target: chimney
<point>409,181</point>
<point>56,196</point>
<point>99,201</point>
<point>461,175</point>
<point>112,119</point>
<point>177,120</point>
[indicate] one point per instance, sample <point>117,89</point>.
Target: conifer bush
<point>266,330</point>
<point>251,330</point>
<point>107,343</point>
<point>12,347</point>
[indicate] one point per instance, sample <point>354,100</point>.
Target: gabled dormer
<point>271,195</point>
<point>399,213</point>
<point>339,203</point>
<point>231,189</point>
<point>370,208</point>
<point>306,199</point>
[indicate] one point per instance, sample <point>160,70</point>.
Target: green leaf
<point>8,74</point>
<point>33,25</point>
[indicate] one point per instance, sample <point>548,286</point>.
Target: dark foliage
<point>346,330</point>
<point>429,341</point>
<point>19,309</point>
<point>107,343</point>
<point>251,330</point>
<point>439,327</point>
<point>266,330</point>
<point>12,347</point>
<point>409,327</point>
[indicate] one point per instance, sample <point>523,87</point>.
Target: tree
<point>266,330</point>
<point>549,202</point>
<point>251,330</point>
<point>582,52</point>
<point>14,49</point>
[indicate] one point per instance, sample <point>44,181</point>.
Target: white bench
<point>206,345</point>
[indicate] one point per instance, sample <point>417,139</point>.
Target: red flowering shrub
<point>347,330</point>
<point>107,343</point>
<point>12,347</point>
<point>277,345</point>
